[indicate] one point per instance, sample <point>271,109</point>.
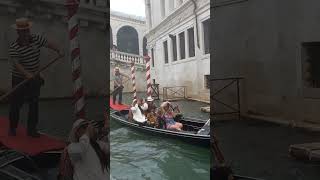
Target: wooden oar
<point>218,154</point>
<point>27,80</point>
<point>119,86</point>
<point>236,177</point>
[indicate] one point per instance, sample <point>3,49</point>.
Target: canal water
<point>133,155</point>
<point>260,149</point>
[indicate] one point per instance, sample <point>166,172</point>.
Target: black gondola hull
<point>192,138</point>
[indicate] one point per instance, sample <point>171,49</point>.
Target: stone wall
<point>190,71</point>
<point>49,20</point>
<point>261,41</point>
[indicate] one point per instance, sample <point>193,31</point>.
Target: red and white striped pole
<point>73,28</point>
<point>147,58</point>
<point>133,78</point>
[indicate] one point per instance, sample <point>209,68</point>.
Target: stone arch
<point>110,37</point>
<point>128,40</point>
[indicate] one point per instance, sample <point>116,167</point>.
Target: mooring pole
<point>73,28</point>
<point>133,78</point>
<point>147,59</point>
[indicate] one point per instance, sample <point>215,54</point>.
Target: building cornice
<point>177,16</point>
<point>126,17</point>
<point>119,18</point>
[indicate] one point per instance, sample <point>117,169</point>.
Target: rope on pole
<point>73,27</point>
<point>133,78</point>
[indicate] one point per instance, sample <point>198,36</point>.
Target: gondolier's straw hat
<point>76,125</point>
<point>22,23</point>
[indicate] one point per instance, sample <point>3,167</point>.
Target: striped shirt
<point>27,56</point>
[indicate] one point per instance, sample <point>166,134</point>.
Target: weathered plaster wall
<point>261,41</point>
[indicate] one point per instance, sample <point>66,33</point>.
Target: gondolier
<point>118,85</point>
<point>24,54</point>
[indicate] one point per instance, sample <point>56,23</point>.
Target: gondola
<point>15,165</point>
<point>23,157</point>
<point>189,134</point>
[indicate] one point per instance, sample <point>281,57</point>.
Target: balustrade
<point>126,57</point>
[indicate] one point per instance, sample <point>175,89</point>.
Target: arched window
<point>128,40</point>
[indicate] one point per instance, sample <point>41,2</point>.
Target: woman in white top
<point>137,109</point>
<point>88,156</point>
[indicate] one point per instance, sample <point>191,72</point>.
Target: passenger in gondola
<point>88,156</point>
<point>138,108</point>
<point>150,113</point>
<point>168,116</point>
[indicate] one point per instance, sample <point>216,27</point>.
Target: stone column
<point>115,39</point>
<point>201,38</point>
<point>170,53</point>
<point>148,14</point>
<point>171,5</point>
<point>178,47</point>
<point>186,39</point>
<point>166,5</point>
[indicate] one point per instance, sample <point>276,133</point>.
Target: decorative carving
<point>185,11</point>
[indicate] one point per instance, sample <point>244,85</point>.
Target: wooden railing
<point>232,94</point>
<point>126,57</point>
<point>174,93</point>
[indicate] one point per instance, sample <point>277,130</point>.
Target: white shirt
<point>85,161</point>
<point>137,114</point>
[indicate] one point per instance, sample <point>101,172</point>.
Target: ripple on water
<point>135,155</point>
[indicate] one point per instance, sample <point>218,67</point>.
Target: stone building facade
<point>128,30</point>
<point>178,44</point>
<point>275,46</point>
<point>127,35</point>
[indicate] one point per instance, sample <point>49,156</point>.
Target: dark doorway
<point>311,64</point>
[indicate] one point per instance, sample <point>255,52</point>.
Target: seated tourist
<point>168,116</point>
<point>150,113</point>
<point>88,156</point>
<point>130,114</point>
<point>137,108</point>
